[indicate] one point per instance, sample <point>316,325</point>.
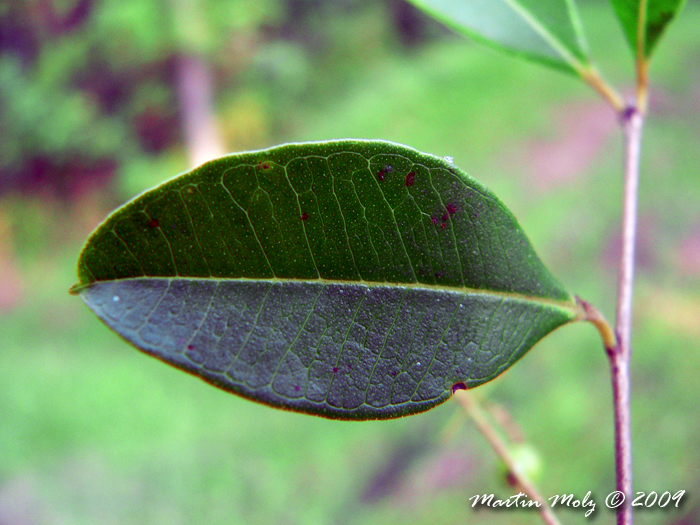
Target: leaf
<point>657,14</point>
<point>547,31</point>
<point>349,279</point>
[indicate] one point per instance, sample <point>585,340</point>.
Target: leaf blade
<point>657,14</point>
<point>548,32</point>
<point>288,238</point>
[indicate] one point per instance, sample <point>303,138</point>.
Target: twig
<point>474,410</point>
<point>619,356</point>
<point>591,76</point>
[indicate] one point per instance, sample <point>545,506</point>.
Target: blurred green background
<point>101,99</point>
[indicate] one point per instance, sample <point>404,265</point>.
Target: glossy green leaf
<point>349,279</point>
<point>656,15</point>
<point>548,31</point>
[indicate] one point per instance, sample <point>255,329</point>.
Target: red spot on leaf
<point>451,208</point>
<point>383,173</point>
<point>393,373</point>
<point>190,347</point>
<point>442,226</point>
<point>153,223</point>
<point>476,215</point>
<point>458,386</point>
<point>335,369</point>
<point>445,217</point>
<point>433,220</point>
<point>304,216</point>
<point>263,165</point>
<point>410,178</point>
<point>297,388</point>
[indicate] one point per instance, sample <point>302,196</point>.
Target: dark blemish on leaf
<point>410,178</point>
<point>190,347</point>
<point>349,367</point>
<point>655,29</point>
<point>383,173</point>
<point>476,215</point>
<point>445,217</point>
<point>451,208</point>
<point>469,194</point>
<point>458,386</point>
<point>335,369</point>
<point>297,388</point>
<point>304,216</point>
<point>433,220</point>
<point>153,223</point>
<point>438,275</point>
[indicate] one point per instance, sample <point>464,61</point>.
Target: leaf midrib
<point>570,306</point>
<point>556,44</point>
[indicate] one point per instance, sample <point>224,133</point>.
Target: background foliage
<point>93,432</point>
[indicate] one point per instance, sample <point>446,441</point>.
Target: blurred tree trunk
<point>194,83</point>
<point>194,86</point>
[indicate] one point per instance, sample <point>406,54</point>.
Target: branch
<point>471,406</point>
<point>619,356</point>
